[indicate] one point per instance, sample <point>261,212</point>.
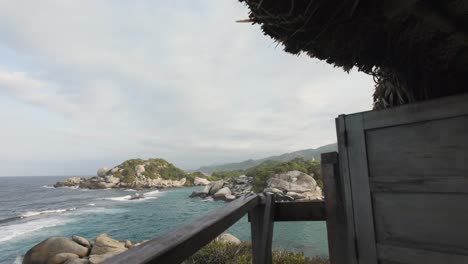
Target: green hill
<point>306,154</point>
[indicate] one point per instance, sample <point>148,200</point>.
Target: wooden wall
<point>407,169</point>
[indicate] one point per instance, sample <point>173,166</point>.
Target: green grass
<point>228,253</point>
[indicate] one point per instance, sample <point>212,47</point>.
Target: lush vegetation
<point>160,168</point>
<point>224,175</point>
<point>264,171</point>
<point>307,154</point>
<point>154,168</point>
<point>228,253</point>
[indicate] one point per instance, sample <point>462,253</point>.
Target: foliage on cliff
<point>154,168</point>
<point>221,252</point>
<point>267,169</point>
<point>224,175</point>
<point>306,154</point>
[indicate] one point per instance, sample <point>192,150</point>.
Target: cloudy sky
<point>85,84</point>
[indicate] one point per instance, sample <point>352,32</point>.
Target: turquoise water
<point>49,212</point>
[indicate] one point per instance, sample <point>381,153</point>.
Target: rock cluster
<point>228,190</point>
<point>293,186</point>
<point>289,186</point>
<point>105,179</point>
<point>79,250</point>
<point>75,250</point>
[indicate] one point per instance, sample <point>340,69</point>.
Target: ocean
<point>31,210</point>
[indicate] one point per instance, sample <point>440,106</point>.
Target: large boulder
<point>97,259</point>
<point>105,245</point>
<point>229,197</point>
<point>82,241</point>
<point>228,238</point>
<point>293,181</point>
<point>207,189</point>
<point>47,249</point>
<point>216,186</point>
<point>102,171</point>
<point>111,179</point>
<point>61,258</point>
<point>221,194</point>
<point>200,181</point>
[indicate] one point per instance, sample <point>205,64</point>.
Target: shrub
<point>227,253</point>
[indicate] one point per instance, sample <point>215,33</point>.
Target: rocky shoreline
<point>79,250</point>
<point>289,186</point>
<point>109,181</point>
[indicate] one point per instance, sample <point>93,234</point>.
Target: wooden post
<point>256,218</point>
<point>340,244</point>
<point>261,222</point>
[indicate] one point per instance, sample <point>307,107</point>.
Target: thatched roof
<point>416,50</point>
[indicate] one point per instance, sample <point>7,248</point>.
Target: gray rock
<point>111,179</point>
<point>128,244</point>
<point>207,189</point>
<point>61,258</point>
<point>102,171</point>
<point>228,238</point>
<point>229,197</point>
<point>73,181</point>
<point>200,181</point>
<point>139,169</point>
<point>273,190</point>
<point>296,195</point>
<point>97,259</point>
<point>51,247</point>
<point>107,245</point>
<point>221,194</point>
<point>216,186</point>
<point>82,241</point>
<point>293,181</point>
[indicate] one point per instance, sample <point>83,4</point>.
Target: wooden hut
<point>397,191</point>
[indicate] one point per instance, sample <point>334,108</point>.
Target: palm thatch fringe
<point>416,50</point>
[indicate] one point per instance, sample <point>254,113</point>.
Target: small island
<point>136,174</point>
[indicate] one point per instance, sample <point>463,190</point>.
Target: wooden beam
<point>267,233</point>
<point>300,211</point>
<point>334,206</point>
<point>177,245</point>
<point>256,218</point>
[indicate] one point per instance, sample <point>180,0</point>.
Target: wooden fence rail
<point>177,245</point>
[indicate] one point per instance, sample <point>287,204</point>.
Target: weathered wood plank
<point>267,233</point>
<point>433,221</point>
<point>299,211</point>
<point>179,244</point>
<point>394,254</point>
<point>417,112</point>
<point>420,184</point>
<point>344,188</point>
<point>256,230</point>
<point>363,215</point>
<point>335,210</point>
<point>437,149</point>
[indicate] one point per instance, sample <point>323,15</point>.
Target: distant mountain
<point>306,154</point>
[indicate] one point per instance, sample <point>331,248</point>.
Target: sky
<point>86,84</point>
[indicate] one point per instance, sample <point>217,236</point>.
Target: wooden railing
<point>177,245</point>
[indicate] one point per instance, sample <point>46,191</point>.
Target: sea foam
<point>36,213</point>
<point>12,231</point>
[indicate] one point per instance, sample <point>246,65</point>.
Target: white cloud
<point>177,79</point>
